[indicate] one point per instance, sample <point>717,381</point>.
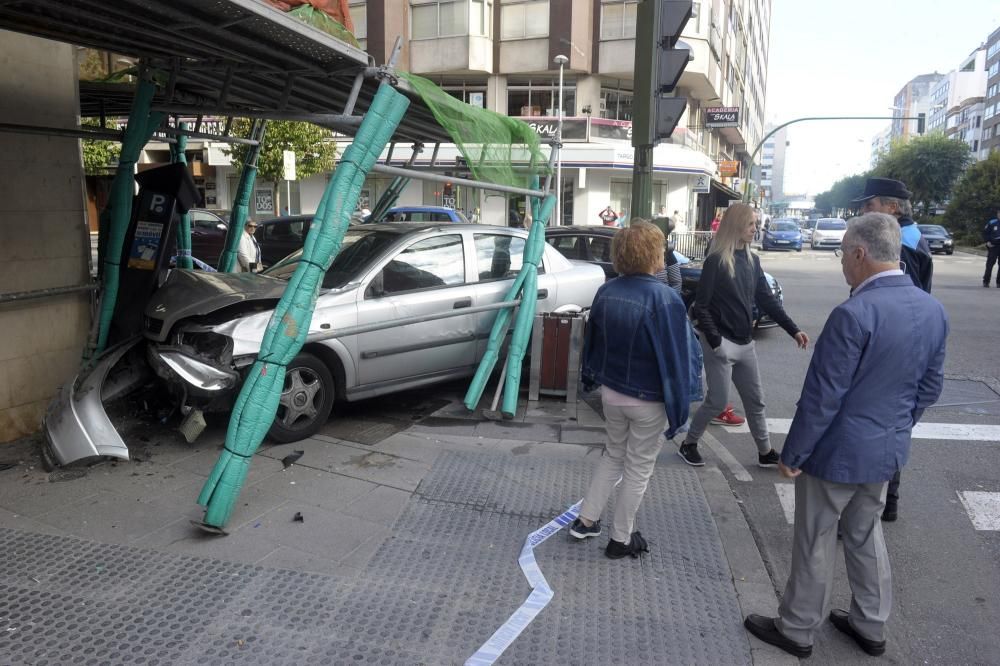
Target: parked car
<point>782,235</point>
<point>425,214</point>
<point>277,236</point>
<point>807,227</point>
<point>829,232</point>
<point>593,244</point>
<point>938,238</point>
<point>205,329</point>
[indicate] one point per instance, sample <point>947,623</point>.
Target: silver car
<point>205,329</point>
<point>829,232</point>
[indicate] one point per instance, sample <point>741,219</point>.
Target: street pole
<point>753,155</point>
<point>560,60</point>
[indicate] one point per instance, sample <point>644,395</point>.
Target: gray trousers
<point>819,505</point>
<point>736,363</point>
<point>635,435</point>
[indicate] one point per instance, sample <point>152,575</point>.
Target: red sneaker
<point>728,418</point>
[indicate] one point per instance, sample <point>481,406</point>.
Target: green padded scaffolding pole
<point>141,125</point>
<point>529,296</point>
<point>241,206</point>
<point>184,228</point>
<point>289,325</point>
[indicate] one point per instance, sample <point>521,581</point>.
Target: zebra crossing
<point>982,507</point>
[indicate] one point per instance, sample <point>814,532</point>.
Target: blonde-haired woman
<point>731,280</point>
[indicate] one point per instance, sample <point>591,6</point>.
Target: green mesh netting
<point>317,19</point>
<point>497,148</point>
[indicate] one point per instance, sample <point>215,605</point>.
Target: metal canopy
<point>220,57</point>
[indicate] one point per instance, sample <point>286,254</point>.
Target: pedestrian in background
<point>645,385</point>
<point>731,280</point>
<point>670,275</point>
<point>869,381</point>
<point>991,234</point>
<point>608,217</point>
<point>248,253</point>
<point>680,225</point>
<point>885,195</point>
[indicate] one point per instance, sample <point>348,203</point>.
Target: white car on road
<point>829,232</point>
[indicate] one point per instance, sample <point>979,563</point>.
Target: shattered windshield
<point>359,249</point>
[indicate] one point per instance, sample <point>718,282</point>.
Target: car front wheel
<point>306,400</point>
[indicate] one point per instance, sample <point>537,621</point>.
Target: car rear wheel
<point>306,400</point>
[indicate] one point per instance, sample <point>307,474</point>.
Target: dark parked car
<point>782,235</point>
<point>278,237</point>
<point>593,245</point>
<point>938,238</point>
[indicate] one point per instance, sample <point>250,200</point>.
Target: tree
<point>975,199</point>
<point>314,148</point>
<point>838,198</point>
<point>99,157</point>
<point>928,165</point>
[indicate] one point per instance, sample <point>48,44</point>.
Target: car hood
<point>191,293</point>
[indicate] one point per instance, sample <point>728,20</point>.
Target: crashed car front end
<point>197,366</point>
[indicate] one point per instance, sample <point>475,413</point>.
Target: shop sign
<point>263,201</point>
<point>573,129</point>
<point>701,184</point>
<point>729,168</point>
<point>722,116</point>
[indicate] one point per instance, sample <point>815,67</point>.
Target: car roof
<point>428,209</point>
<point>582,229</point>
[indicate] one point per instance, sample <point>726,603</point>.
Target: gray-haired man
<point>869,381</point>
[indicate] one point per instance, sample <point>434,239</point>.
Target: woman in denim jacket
<point>636,348</point>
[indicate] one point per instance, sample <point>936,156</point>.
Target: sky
<point>850,58</point>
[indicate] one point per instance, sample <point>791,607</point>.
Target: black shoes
<point>890,512</point>
<point>689,453</point>
<point>769,459</point>
<point>635,547</point>
<point>764,629</point>
<point>581,531</point>
<point>839,619</point>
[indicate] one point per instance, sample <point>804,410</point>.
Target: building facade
<point>772,168</point>
<point>499,54</point>
<point>991,104</point>
<point>912,99</point>
<point>880,144</point>
<point>956,101</point>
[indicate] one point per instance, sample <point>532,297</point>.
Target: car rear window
<point>831,225</point>
<point>784,226</point>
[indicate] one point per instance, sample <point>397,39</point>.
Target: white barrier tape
<point>539,598</point>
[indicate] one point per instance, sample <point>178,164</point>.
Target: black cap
<point>883,187</point>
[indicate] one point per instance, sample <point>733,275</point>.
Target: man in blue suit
<point>878,364</point>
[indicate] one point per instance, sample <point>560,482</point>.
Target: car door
<point>424,277</point>
<point>279,238</point>
<point>498,258</point>
<point>208,236</point>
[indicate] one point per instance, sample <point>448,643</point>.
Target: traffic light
<point>658,68</point>
<point>921,122</point>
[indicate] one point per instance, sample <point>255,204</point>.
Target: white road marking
<point>983,509</point>
<point>738,470</point>
<point>786,495</point>
<point>956,431</point>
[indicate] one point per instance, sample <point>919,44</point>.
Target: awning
<point>723,193</point>
<point>220,58</point>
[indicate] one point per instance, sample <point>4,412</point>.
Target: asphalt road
<point>946,574</point>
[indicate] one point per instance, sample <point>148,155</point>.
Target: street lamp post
<point>560,60</point>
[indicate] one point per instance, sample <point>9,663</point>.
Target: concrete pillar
<point>44,241</point>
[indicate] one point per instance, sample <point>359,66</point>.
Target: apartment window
<point>481,18</point>
<point>431,19</point>
<point>359,17</point>
<point>540,98</point>
<point>993,89</point>
<point>992,51</point>
<point>994,69</point>
<point>618,19</point>
<point>989,112</point>
<point>524,20</point>
<point>616,104</point>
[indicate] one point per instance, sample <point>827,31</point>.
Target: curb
<point>754,588</point>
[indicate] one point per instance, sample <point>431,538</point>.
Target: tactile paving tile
<point>444,581</point>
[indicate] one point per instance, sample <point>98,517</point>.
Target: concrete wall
<point>43,237</point>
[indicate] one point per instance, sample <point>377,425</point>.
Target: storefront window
<point>540,98</point>
<point>616,104</point>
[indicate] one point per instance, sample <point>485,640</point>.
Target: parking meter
<point>165,193</point>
